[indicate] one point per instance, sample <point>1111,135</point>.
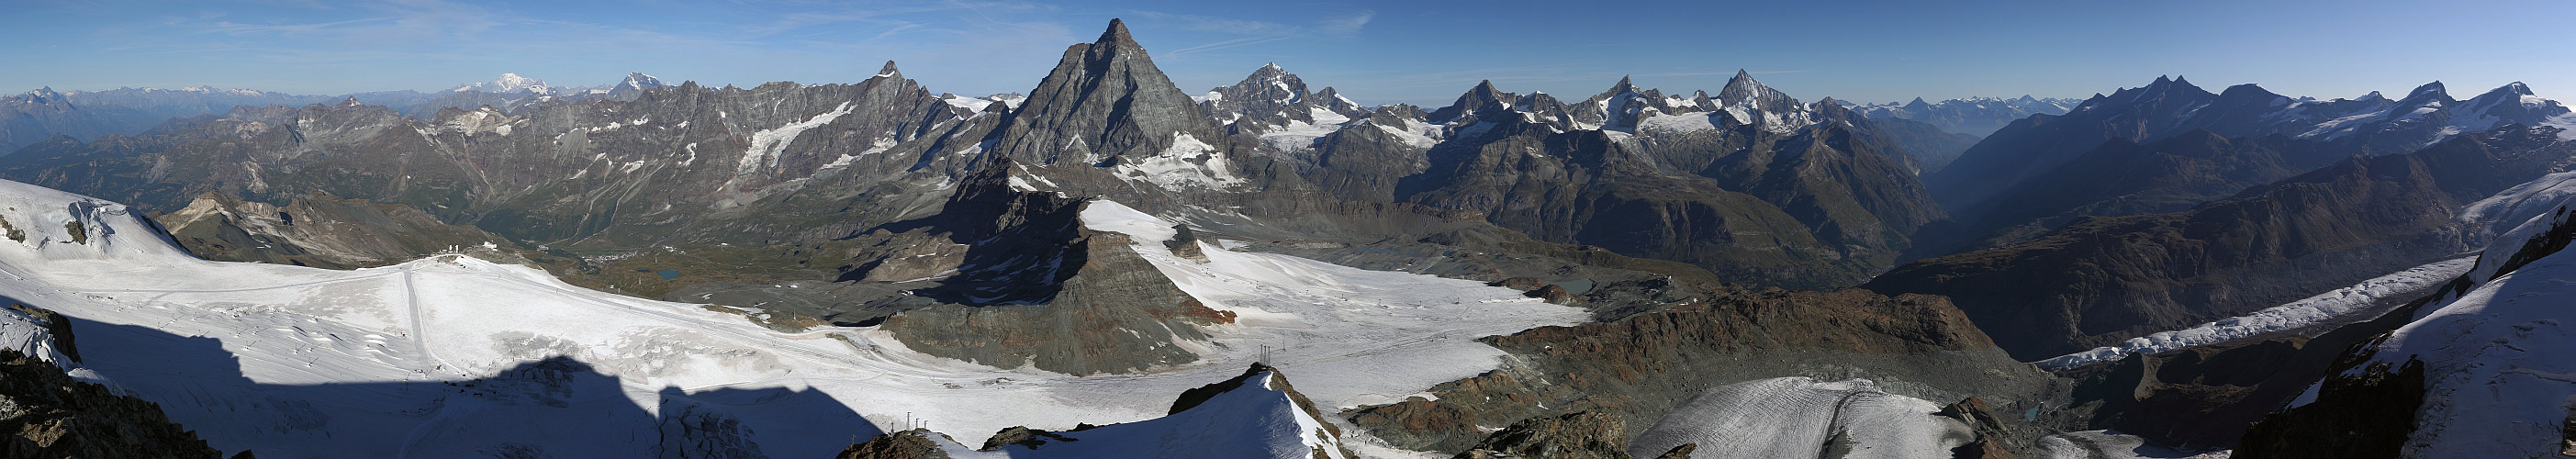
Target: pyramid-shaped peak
<point>1623,86</point>
<point>888,70</point>
<point>1483,86</point>
<point>1743,88</point>
<point>1273,66</point>
<point>1117,34</point>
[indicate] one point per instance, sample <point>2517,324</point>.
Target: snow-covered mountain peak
<point>2428,92</point>
<point>639,80</point>
<point>508,82</point>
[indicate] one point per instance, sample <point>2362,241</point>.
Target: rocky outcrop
<point>1036,288</point>
<point>47,414</point>
<point>1992,432</point>
<point>2370,413</point>
<point>1579,435</point>
<point>58,329</point>
<point>1639,367</point>
<point>909,444</point>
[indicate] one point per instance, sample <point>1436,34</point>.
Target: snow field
<point>454,356</point>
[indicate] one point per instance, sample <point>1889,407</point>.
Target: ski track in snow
<point>376,362</point>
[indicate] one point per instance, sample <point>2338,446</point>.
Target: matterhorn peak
<point>1117,34</point>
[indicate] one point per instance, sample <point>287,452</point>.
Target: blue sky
<point>1376,52</point>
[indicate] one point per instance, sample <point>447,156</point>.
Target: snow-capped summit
<point>1751,102</point>
<point>2512,102</point>
<point>508,82</point>
<point>632,87</point>
<point>639,80</point>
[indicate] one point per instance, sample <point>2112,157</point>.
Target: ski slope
<point>452,356</point>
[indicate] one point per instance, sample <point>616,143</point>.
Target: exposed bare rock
<point>909,444</point>
<point>47,414</point>
<point>1579,435</point>
<point>1036,288</point>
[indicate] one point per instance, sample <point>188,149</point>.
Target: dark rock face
<point>1104,100</point>
<point>2364,415</point>
<point>2102,280</point>
<point>56,325</point>
<point>1046,291</point>
<point>1268,99</point>
<point>1579,435</point>
<point>909,444</point>
<point>1639,367</point>
<point>50,415</point>
<point>1992,432</point>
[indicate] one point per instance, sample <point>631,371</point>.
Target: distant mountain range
<point>1976,116</point>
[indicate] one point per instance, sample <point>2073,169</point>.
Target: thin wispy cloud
<point>1257,32</point>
